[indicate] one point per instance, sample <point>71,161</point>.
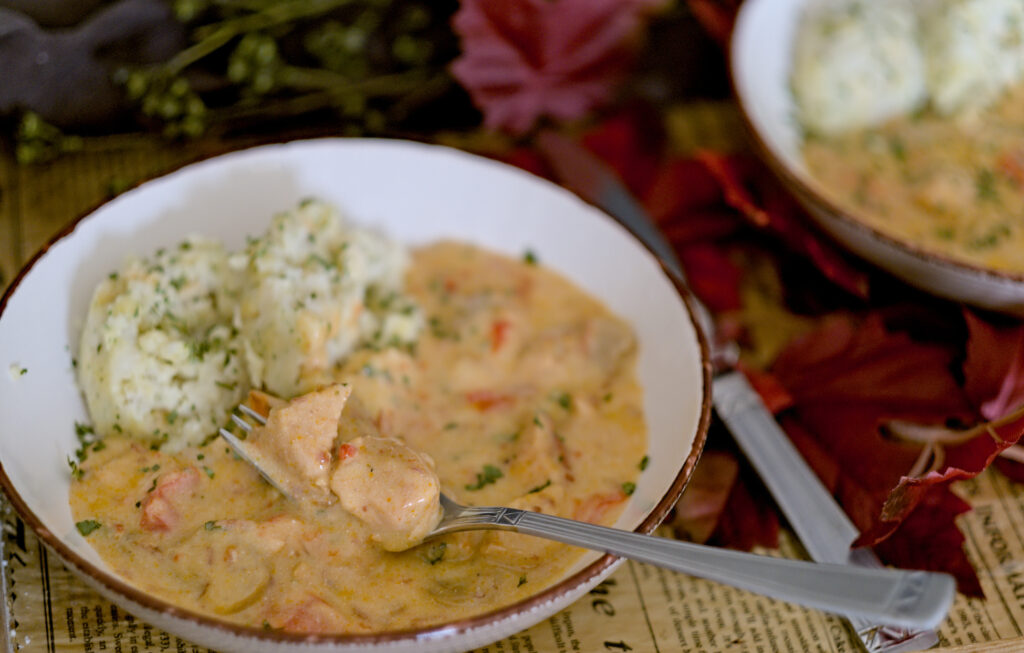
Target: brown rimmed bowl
<point>761,53</point>
<point>416,193</point>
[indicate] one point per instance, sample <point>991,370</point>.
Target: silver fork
<point>904,598</point>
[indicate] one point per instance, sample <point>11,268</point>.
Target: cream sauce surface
<point>953,186</point>
<point>521,392</point>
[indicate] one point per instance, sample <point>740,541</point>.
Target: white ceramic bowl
<point>760,61</point>
<point>416,193</point>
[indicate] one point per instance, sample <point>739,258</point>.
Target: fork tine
<point>239,449</point>
<point>241,423</point>
<point>253,414</point>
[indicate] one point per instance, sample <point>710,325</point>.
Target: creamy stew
<point>954,186</point>
<point>521,392</point>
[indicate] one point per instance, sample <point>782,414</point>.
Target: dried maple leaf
<point>920,545</point>
<point>968,456</point>
<point>527,59</point>
<point>994,368</point>
<point>699,508</point>
<point>725,503</point>
<point>682,188</point>
<point>712,275</point>
<point>848,381</point>
<point>749,518</point>
<point>758,196</point>
<point>994,378</point>
<point>717,17</point>
<point>632,141</point>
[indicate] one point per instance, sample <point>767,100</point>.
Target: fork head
<point>240,450</point>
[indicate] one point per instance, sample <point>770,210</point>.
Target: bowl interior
<point>415,193</point>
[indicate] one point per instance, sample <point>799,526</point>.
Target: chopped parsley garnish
<point>522,581</point>
<point>543,486</point>
<point>209,472</point>
<point>529,257</point>
<point>436,552</point>
<point>316,258</point>
<point>87,526</point>
<point>76,471</point>
<point>198,349</point>
<point>629,487</point>
<point>644,462</point>
<point>986,184</point>
<point>565,400</point>
<point>489,475</point>
<point>211,525</point>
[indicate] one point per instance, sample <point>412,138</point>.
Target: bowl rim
<point>811,192</point>
<point>436,632</point>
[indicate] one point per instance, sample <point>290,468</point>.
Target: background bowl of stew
<point>761,55</point>
<point>416,193</point>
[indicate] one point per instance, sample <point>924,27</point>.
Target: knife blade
<point>819,522</point>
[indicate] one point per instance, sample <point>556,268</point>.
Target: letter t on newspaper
<point>822,526</point>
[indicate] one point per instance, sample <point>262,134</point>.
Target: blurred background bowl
<point>761,54</point>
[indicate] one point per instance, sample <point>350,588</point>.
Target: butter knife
<point>820,523</point>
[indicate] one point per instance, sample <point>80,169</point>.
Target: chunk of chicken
<point>391,488</point>
<point>298,437</point>
<point>589,352</point>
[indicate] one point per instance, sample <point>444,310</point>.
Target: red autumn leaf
<point>751,190</point>
<point>527,159</point>
<point>632,143</point>
<point>918,544</point>
<point>994,368</point>
<point>749,518</point>
<point>699,508</point>
<point>701,226</point>
<point>717,17</point>
<point>523,60</point>
<point>681,188</point>
<point>964,460</point>
<point>775,397</point>
<point>712,276</point>
<point>848,380</point>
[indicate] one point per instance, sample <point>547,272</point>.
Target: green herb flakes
<point>489,475</point>
<point>87,526</point>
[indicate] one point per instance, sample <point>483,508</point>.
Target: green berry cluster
<point>38,141</point>
<point>166,99</point>
<point>361,66</point>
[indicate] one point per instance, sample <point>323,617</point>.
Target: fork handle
<point>890,596</point>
